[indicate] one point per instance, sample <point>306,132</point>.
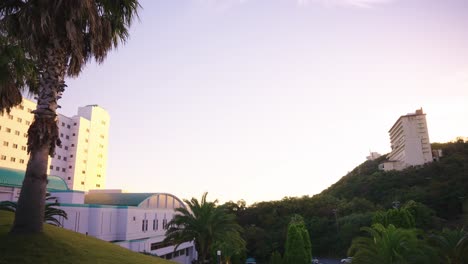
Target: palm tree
<point>60,37</point>
<point>452,246</point>
<point>389,245</point>
<point>203,222</point>
<point>50,212</point>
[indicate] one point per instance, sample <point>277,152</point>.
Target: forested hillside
<point>334,217</point>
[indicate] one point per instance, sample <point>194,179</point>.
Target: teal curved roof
<point>144,200</point>
<point>14,178</point>
<point>127,199</point>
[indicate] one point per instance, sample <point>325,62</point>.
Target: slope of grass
<point>58,245</point>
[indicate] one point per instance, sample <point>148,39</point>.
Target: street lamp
<point>218,253</point>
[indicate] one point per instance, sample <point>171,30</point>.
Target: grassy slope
<point>57,245</point>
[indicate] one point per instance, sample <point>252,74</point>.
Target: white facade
<point>81,160</point>
<point>409,139</point>
<point>14,135</point>
<point>373,156</point>
<point>140,227</point>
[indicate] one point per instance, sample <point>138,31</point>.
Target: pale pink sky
<point>261,99</point>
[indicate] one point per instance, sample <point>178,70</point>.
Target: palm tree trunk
<point>42,139</point>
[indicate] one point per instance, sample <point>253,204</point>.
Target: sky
<point>265,99</point>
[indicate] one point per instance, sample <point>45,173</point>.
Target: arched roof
<point>144,200</point>
<point>14,178</point>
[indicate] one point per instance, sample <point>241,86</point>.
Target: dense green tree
<point>388,245</point>
<point>401,218</point>
<point>276,258</point>
<point>60,37</point>
<point>451,245</point>
<point>423,215</point>
<point>204,222</point>
<point>298,247</point>
<point>231,245</point>
<point>295,252</point>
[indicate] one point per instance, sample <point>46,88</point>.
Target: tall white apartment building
<point>81,160</point>
<point>409,139</point>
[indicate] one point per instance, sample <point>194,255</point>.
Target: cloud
<point>352,3</point>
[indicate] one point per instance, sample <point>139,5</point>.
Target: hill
<point>441,185</point>
<point>58,245</point>
<point>335,216</point>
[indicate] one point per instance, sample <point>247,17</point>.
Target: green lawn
<point>57,245</point>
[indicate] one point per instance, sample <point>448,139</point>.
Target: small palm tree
<point>50,212</point>
<point>389,245</point>
<point>59,37</point>
<point>451,245</point>
<point>203,222</point>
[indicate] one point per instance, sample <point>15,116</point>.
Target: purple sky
<point>261,99</point>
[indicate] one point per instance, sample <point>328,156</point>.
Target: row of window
<point>58,168</point>
<point>17,133</point>
<point>15,146</point>
<point>181,252</point>
<point>144,225</point>
<point>12,159</point>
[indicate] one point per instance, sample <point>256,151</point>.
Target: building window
<point>25,135</point>
<point>19,119</point>
<point>10,117</point>
<point>85,151</point>
<point>69,178</point>
<point>29,110</point>
<point>63,170</point>
<point>66,147</point>
<point>59,157</point>
<point>72,145</point>
<point>68,126</point>
<point>61,134</point>
<point>28,123</point>
<point>82,183</point>
<point>65,158</point>
<point>57,168</point>
<point>99,175</point>
<point>87,130</point>
<point>21,107</point>
<point>8,130</point>
<point>103,122</point>
<point>17,132</point>
<point>5,143</point>
<point>15,146</point>
<point>83,172</point>
<point>70,167</point>
<point>102,136</point>
<point>67,137</point>
<point>12,159</point>
<point>84,161</point>
<point>23,148</point>
<point>63,124</point>
<point>98,185</point>
<point>75,124</point>
<point>22,161</point>
<point>51,167</point>
<point>74,134</point>
<point>71,156</point>
<point>3,157</point>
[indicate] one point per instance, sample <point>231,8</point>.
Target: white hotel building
<point>409,139</point>
<point>81,160</point>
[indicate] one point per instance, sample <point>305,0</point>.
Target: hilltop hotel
<point>409,140</point>
<point>137,221</point>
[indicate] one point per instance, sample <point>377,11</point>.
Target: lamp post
<point>218,253</point>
